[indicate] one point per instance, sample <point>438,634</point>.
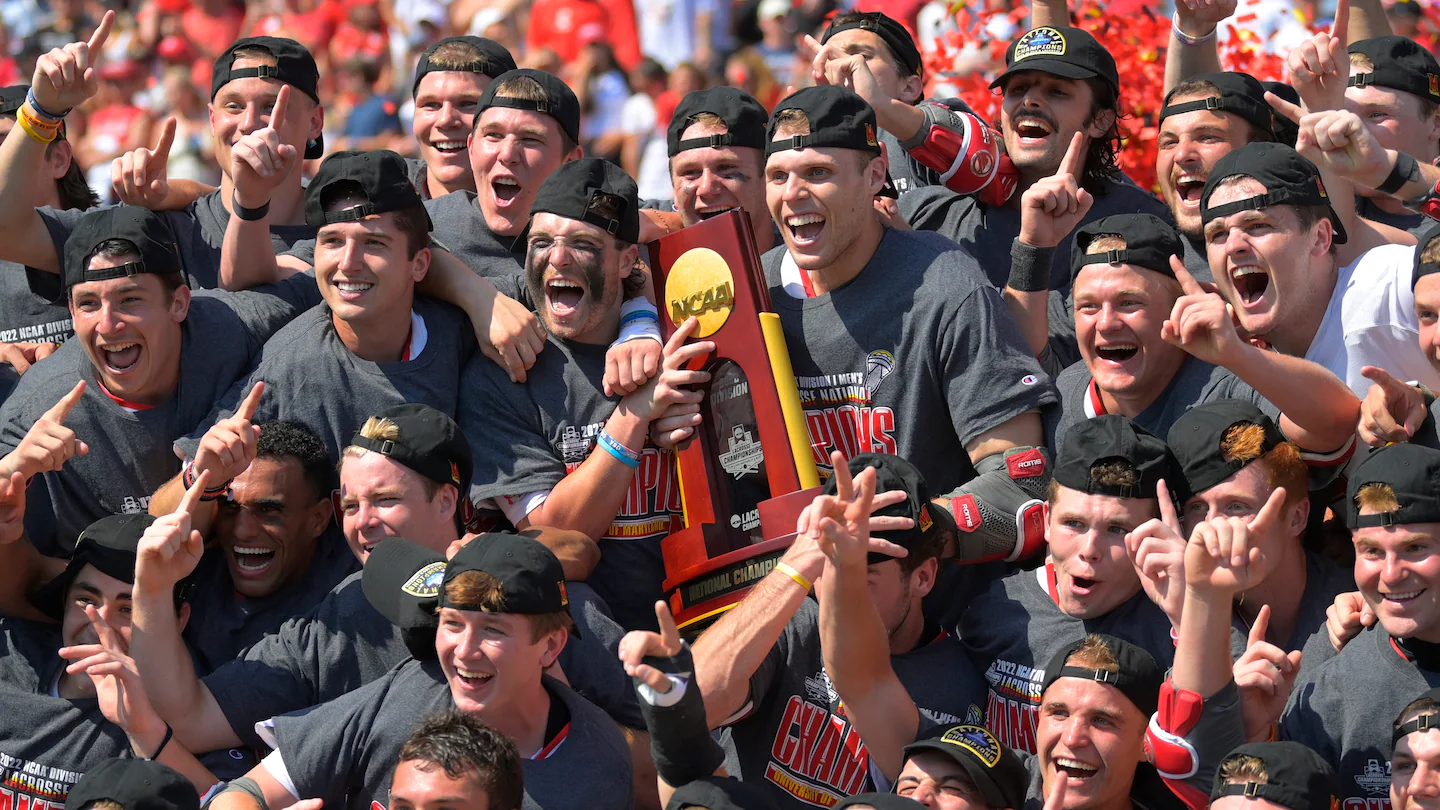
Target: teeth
<point>505,181</point>
<point>1400,597</point>
<point>804,219</point>
<point>450,146</point>
<point>353,286</point>
<point>473,676</point>
<point>1246,271</point>
<point>118,347</point>
<point>239,550</point>
<point>560,282</point>
<point>1118,347</point>
<point>1073,764</point>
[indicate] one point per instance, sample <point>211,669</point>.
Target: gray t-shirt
<point>986,232</point>
<point>343,643</point>
<point>199,232</point>
<point>794,740</point>
<point>32,306</point>
<point>46,743</point>
<point>1013,629</point>
<point>1343,710</point>
<point>1195,382</point>
<point>345,751</point>
<point>920,312</point>
<point>130,451</point>
<point>1324,580</point>
<point>537,432</point>
<point>313,379</point>
<point>223,623</point>
<point>460,227</point>
<point>1408,221</point>
<point>1197,264</point>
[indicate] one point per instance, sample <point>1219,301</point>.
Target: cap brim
<point>888,190</point>
<point>979,774</point>
<point>1340,236</point>
<point>1055,67</point>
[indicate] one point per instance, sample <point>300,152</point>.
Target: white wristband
<point>663,700</point>
<point>638,319</point>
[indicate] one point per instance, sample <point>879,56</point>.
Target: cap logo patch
<point>1434,84</point>
<point>967,513</point>
<point>925,521</point>
<point>977,741</point>
<point>455,473</point>
<point>700,285</point>
<point>564,594</point>
<point>426,582</point>
<point>1044,41</point>
<point>1320,186</point>
<point>870,136</point>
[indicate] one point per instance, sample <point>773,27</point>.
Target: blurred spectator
<point>777,39</point>
<point>364,117</point>
<point>1405,16</point>
<point>116,123</point>
<point>66,23</point>
<point>364,36</point>
<point>542,59</point>
<point>210,25</point>
<point>643,152</point>
<point>674,31</point>
<point>566,26</point>
<point>309,22</point>
<point>746,69</point>
<point>600,86</point>
<point>192,156</point>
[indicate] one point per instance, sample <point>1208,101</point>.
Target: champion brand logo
<point>967,513</point>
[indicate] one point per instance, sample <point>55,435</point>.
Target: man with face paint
<point>558,451</point>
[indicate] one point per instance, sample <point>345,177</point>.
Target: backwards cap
<point>569,190</point>
<point>1149,243</point>
<point>1138,677</point>
<point>428,442</point>
<point>891,31</point>
<point>383,177</point>
<point>493,60</point>
<point>559,103</point>
<point>744,118</point>
<point>1289,179</point>
<point>141,227</point>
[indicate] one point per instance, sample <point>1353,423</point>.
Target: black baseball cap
<point>145,229</point>
<point>745,120</point>
<point>1112,437</point>
<point>1400,64</point>
<point>1149,243</point>
<point>839,118</point>
<point>1070,53</point>
<point>895,473</point>
<point>1296,777</point>
<point>1240,93</point>
<point>1424,722</point>
<point>891,31</point>
<point>110,544</point>
<point>1412,472</point>
<point>382,175</point>
<point>1286,131</point>
<point>402,581</point>
<point>1288,179</point>
<point>293,65</point>
<point>996,770</point>
<point>492,60</point>
<point>429,442</point>
<point>560,102</point>
<point>1423,268</point>
<point>134,784</point>
<point>1138,677</point>
<point>1196,436</point>
<point>719,793</point>
<point>529,574</point>
<point>569,190</point>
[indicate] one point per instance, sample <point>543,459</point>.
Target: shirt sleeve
<point>263,310</point>
<point>60,222</point>
<point>269,679</point>
<point>324,748</point>
<point>515,457</point>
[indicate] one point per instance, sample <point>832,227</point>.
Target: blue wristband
<point>639,315</point>
<point>44,113</point>
<point>625,455</point>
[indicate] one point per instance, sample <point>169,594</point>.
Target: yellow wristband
<point>30,130</point>
<point>789,571</point>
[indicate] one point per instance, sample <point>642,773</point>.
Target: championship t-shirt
<point>528,436</point>
<point>130,445</point>
<point>792,737</point>
<point>344,752</point>
<point>32,306</point>
<point>917,356</point>
<point>1013,630</point>
<point>199,232</point>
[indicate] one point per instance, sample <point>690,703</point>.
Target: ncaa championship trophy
<point>749,470</point>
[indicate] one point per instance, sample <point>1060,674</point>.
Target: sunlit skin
<point>1245,803</point>
<point>269,525</point>
<point>897,596</point>
<point>1039,116</point>
<point>939,782</point>
<point>110,597</point>
<point>1242,495</point>
<point>575,273</point>
<point>1188,147</point>
<point>130,328</point>
<point>881,62</point>
<point>1427,309</point>
<point>714,179</point>
<point>1397,120</point>
<point>419,785</point>
<point>1093,736</point>
<point>244,105</point>
<point>366,276</point>
<point>445,104</point>
<point>822,199</point>
<point>511,153</point>
<point>1415,772</point>
<point>1397,569</point>
<point>1277,276</point>
<point>1086,536</point>
<point>1119,310</point>
<point>381,498</point>
<point>493,666</point>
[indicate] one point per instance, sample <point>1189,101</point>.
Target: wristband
<point>1404,170</point>
<point>41,111</point>
<point>1186,38</point>
<point>249,214</point>
<point>187,478</point>
<point>638,319</point>
<point>1029,267</point>
<point>788,570</point>
<point>625,455</point>
<point>39,130</point>
<point>169,732</point>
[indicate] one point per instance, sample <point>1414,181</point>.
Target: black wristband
<point>169,732</point>
<point>1029,267</point>
<point>1403,171</point>
<point>249,214</point>
<point>680,741</point>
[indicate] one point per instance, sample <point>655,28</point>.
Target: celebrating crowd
<point>343,483</point>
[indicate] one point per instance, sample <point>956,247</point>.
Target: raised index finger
<point>251,402</point>
<point>167,137</point>
<point>1267,513</point>
<point>102,33</point>
<point>1341,28</point>
<point>1188,284</point>
<point>1074,161</point>
<point>669,634</point>
<point>1284,107</point>
<point>61,409</point>
<point>277,113</point>
<point>191,499</point>
<point>1382,378</point>
<point>1168,515</point>
<point>1261,625</point>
